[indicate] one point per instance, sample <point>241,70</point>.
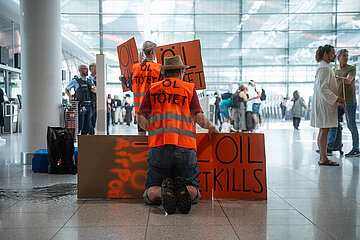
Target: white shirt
<point>253,92</point>
<point>324,106</point>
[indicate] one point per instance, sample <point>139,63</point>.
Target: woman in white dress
<point>325,100</point>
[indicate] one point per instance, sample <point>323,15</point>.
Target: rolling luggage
<point>338,145</point>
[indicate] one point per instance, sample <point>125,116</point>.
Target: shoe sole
<point>168,199</point>
<point>183,199</point>
<point>183,202</point>
<point>169,202</point>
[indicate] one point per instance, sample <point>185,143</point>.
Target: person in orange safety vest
<point>169,112</point>
<point>143,74</point>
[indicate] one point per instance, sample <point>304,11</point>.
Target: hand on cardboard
<point>211,131</point>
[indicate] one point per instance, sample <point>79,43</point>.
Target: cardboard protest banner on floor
<point>112,166</point>
<point>128,56</point>
<point>231,166</point>
<point>239,166</point>
<point>205,165</point>
<point>190,53</point>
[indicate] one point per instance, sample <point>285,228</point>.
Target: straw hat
<point>173,62</point>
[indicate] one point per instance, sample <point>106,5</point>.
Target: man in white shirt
<point>255,94</point>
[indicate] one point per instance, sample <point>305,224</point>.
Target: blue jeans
<point>172,161</point>
<point>351,123</point>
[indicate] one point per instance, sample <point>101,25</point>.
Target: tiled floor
<point>305,201</point>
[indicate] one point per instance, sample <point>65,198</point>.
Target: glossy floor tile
<point>305,201</point>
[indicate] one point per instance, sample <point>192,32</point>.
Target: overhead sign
<point>190,53</point>
<point>128,56</point>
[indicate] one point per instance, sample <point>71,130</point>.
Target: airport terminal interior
<point>272,42</point>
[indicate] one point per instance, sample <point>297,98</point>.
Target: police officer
<point>168,112</point>
<point>83,87</point>
<point>143,74</point>
<point>92,77</point>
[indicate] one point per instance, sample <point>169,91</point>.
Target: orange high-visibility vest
<point>170,121</point>
<point>143,75</point>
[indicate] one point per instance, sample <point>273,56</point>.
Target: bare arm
<point>243,96</point>
<point>205,123</point>
<point>144,123</point>
<point>347,80</point>
<point>93,89</point>
<point>69,95</point>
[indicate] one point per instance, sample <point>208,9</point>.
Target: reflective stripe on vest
<point>141,94</point>
<point>170,121</point>
<point>172,130</point>
<point>143,76</point>
<point>171,116</point>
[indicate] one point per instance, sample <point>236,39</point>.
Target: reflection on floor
<point>305,201</point>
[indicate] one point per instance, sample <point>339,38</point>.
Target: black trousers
<point>217,116</point>
<point>296,122</point>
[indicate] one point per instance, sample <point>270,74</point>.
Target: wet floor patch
<point>55,191</point>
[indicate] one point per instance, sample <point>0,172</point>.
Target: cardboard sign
<point>112,166</point>
<point>128,56</point>
<point>190,53</point>
<point>236,168</point>
<point>231,166</point>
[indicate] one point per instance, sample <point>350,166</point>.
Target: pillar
<point>40,30</point>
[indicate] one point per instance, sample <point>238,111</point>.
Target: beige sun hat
<point>173,62</point>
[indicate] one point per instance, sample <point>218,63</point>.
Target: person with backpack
<point>83,87</point>
<point>238,103</point>
<point>225,106</point>
<point>297,109</point>
<point>255,93</point>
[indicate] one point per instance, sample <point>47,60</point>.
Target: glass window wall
<point>270,41</point>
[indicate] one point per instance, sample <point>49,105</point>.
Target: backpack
<point>235,100</point>
<point>263,95</point>
<point>226,95</point>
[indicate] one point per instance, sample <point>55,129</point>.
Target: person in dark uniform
<point>83,87</point>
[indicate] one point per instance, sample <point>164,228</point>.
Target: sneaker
<point>329,152</point>
<point>167,195</point>
<point>353,153</point>
<point>183,199</point>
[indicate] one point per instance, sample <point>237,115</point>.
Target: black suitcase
<point>338,145</point>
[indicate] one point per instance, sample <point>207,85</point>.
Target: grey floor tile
<point>51,206</point>
<point>191,232</point>
<point>321,203</point>
<point>110,214</point>
<point>280,232</point>
<point>87,233</point>
<point>33,220</point>
<point>5,204</point>
<point>27,233</point>
<point>341,232</point>
<point>307,192</point>
<point>203,213</point>
<point>271,203</point>
<point>293,184</point>
<point>338,216</point>
<point>265,217</point>
<point>293,176</point>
